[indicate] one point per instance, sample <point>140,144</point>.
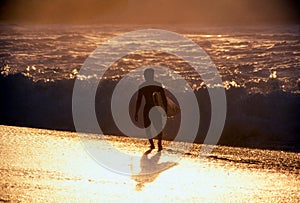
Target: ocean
<point>258,65</point>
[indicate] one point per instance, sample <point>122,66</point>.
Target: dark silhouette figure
<point>150,169</point>
<point>147,90</point>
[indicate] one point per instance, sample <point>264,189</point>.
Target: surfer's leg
<point>151,144</point>
<point>147,123</point>
<point>159,137</point>
<point>148,133</point>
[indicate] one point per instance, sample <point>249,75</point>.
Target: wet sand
<point>51,166</point>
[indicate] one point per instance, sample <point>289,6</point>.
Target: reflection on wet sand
<point>39,165</point>
<point>150,169</point>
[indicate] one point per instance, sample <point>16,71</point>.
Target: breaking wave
<point>269,120</point>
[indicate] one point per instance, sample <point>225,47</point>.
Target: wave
<point>269,120</point>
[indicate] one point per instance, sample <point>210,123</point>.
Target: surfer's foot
<point>160,148</point>
<point>152,147</point>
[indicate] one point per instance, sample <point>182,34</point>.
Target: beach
<point>39,165</point>
<point>85,84</point>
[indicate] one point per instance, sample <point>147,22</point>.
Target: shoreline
<point>286,148</point>
<point>220,152</point>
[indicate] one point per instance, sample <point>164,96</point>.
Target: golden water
<point>52,166</point>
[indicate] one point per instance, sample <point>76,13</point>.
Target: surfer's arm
<point>138,104</point>
<point>165,102</point>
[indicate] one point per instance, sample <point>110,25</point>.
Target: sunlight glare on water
<point>244,55</point>
<point>40,165</point>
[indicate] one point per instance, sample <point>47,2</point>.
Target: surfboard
<point>172,108</point>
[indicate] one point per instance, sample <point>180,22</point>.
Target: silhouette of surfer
<point>147,90</point>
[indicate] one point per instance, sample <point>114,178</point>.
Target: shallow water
<point>51,166</point>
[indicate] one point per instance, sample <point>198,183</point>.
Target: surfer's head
<point>149,74</point>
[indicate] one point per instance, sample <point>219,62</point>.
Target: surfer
<point>147,90</point>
